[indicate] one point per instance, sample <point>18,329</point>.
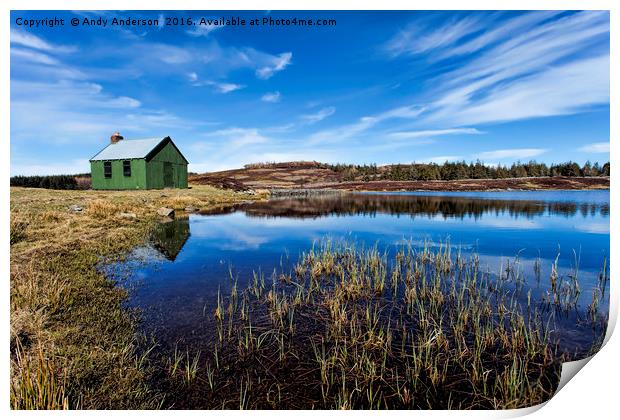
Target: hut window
<point>107,169</point>
<point>127,167</point>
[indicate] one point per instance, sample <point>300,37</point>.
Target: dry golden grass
<point>179,202</point>
<point>100,208</point>
<point>72,344</point>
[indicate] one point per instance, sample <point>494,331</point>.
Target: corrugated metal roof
<point>128,149</point>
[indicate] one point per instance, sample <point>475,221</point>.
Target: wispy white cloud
<point>78,113</point>
<point>226,87</point>
<point>138,57</point>
<point>271,97</point>
<point>70,94</point>
<point>274,65</point>
<point>124,102</point>
<point>26,39</point>
<point>220,87</point>
<point>345,132</point>
<point>232,147</point>
<point>210,60</point>
<point>511,154</point>
<point>33,56</point>
<point>320,115</point>
<point>526,66</point>
<point>595,148</point>
<point>203,30</point>
<point>235,137</point>
<point>418,38</point>
<point>169,54</point>
<point>491,34</point>
<point>282,128</point>
<point>433,133</point>
<point>562,90</point>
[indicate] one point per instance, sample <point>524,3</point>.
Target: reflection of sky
<point>180,289</point>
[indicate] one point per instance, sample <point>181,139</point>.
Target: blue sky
<point>379,87</point>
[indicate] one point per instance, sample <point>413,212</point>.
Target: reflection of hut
<point>170,237</point>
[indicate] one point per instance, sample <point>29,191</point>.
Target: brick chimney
<point>116,137</point>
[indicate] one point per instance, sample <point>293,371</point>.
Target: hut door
<point>168,180</point>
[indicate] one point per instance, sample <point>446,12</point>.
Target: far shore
<point>236,182</point>
<point>507,184</point>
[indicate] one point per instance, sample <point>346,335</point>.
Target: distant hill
<point>271,175</point>
<point>457,176</point>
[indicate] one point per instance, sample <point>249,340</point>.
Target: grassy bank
<point>72,345</point>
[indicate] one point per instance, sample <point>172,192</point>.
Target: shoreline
<point>276,180</point>
<point>477,185</point>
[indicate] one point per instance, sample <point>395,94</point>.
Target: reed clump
<point>40,387</point>
<point>355,328</point>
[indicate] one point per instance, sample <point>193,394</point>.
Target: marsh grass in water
<point>349,327</point>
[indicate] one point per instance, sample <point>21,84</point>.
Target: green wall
<point>155,168</point>
<point>137,180</point>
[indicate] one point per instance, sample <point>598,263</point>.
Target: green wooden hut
<point>138,164</point>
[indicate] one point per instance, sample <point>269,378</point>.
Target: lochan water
<point>175,280</point>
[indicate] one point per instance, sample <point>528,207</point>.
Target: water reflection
<point>539,227</point>
<point>170,236</point>
<point>414,204</point>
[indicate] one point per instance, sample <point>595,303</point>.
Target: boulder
<point>75,208</point>
<point>191,209</point>
<point>124,215</point>
<point>166,212</point>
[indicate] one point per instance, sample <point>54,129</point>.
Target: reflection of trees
<point>449,207</point>
<point>169,237</point>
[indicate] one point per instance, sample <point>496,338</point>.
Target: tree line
<point>54,182</point>
<point>463,170</point>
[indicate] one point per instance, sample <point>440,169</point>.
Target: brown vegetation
<point>525,184</point>
<point>314,175</point>
<point>258,176</point>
